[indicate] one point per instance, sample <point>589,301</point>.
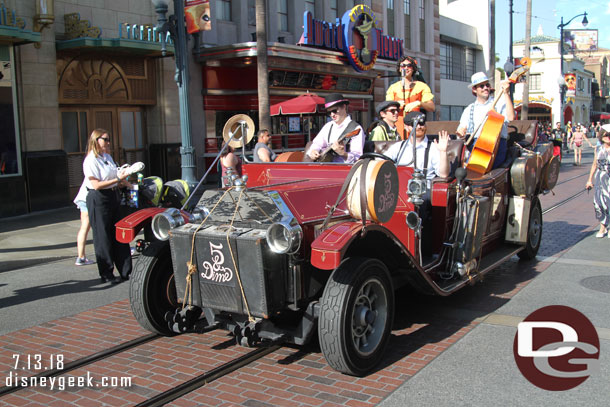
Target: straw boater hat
<point>477,79</point>
<point>233,126</point>
<point>334,99</point>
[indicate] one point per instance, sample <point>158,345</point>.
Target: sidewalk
<point>40,237</point>
<point>480,368</point>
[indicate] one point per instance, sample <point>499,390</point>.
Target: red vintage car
<point>295,248</point>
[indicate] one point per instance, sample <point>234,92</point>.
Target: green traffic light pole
<point>175,27</point>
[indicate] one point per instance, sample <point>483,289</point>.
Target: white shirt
<point>101,168</point>
<point>82,193</point>
<point>321,141</point>
<point>480,113</point>
<point>434,156</point>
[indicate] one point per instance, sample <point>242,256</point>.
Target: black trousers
<point>103,206</point>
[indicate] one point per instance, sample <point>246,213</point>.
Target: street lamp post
<point>177,30</point>
<point>562,88</point>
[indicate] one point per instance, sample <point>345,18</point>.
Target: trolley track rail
<point>199,381</point>
<point>571,178</point>
<point>563,202</point>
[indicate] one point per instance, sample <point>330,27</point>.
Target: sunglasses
<point>392,111</point>
<point>407,65</point>
<point>484,85</point>
<point>334,111</point>
<point>420,123</point>
<point>106,139</point>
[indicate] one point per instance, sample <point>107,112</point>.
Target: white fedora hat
<point>478,78</point>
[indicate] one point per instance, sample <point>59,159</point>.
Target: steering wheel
<point>373,154</point>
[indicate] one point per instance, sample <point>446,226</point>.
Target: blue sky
<point>548,14</point>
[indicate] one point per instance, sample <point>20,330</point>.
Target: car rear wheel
<point>356,314</point>
<point>152,289</point>
<point>534,232</point>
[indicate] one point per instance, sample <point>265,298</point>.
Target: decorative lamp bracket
<point>44,17</point>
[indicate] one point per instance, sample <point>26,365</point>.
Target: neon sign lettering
<point>355,34</point>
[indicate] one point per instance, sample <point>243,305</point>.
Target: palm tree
<point>264,121</point>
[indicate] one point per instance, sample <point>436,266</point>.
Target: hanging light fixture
<point>45,14</point>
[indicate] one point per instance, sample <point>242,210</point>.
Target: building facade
<point>546,81</point>
<point>465,47</point>
<point>70,66</point>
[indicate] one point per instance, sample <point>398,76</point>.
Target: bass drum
<point>550,173</point>
<point>290,157</point>
<point>377,188</point>
<point>523,175</point>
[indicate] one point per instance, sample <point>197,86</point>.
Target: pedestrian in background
<point>577,140</point>
<point>600,168</point>
<point>598,128</point>
<point>81,238</point>
<point>102,179</point>
<point>567,135</point>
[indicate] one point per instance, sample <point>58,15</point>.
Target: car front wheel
<point>152,289</point>
<point>356,314</point>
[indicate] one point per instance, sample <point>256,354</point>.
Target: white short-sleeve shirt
<point>479,113</point>
<point>102,168</point>
<point>434,156</point>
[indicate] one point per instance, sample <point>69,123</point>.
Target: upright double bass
<point>485,149</point>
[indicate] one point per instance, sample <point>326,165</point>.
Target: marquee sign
<point>355,34</point>
<point>536,99</point>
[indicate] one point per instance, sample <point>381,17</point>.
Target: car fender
<point>328,249</point>
<point>128,228</point>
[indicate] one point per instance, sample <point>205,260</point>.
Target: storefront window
<point>390,14</point>
<point>282,14</point>
<point>333,9</point>
<point>422,25</point>
<point>74,131</point>
<point>310,5</point>
<point>10,160</point>
<point>223,10</point>
<point>131,130</point>
<point>406,9</point>
<point>310,80</point>
<point>251,12</point>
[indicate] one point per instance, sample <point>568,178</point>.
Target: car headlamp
<point>416,187</point>
<point>284,237</point>
<point>163,222</point>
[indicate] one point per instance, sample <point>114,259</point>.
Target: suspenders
<point>426,154</point>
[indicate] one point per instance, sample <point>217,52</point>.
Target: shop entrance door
<point>125,125</point>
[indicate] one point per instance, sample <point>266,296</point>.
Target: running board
<point>488,263</point>
<point>499,256</point>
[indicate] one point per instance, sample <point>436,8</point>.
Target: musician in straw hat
<point>475,113</point>
<point>349,150</point>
